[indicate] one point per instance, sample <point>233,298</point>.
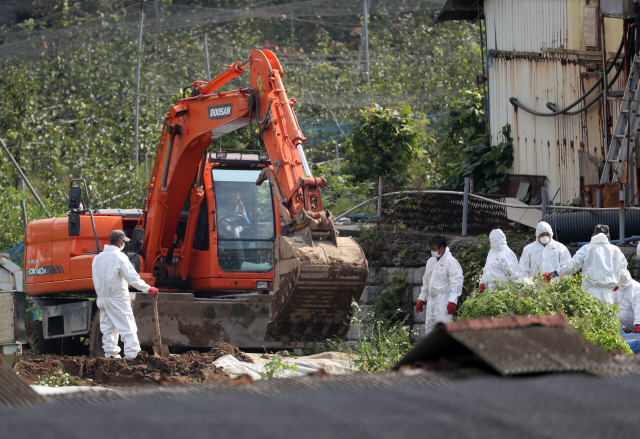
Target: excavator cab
<point>245,218</point>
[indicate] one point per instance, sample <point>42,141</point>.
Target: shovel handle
<point>155,311</point>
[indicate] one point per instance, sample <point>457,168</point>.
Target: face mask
<point>544,240</point>
<point>121,247</point>
<point>435,254</point>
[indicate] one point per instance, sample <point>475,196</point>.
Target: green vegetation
<point>276,367</point>
<point>385,144</point>
<point>58,379</point>
<point>380,344</point>
<point>598,322</point>
<point>70,111</point>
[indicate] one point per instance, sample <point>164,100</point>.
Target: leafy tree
<point>385,144</point>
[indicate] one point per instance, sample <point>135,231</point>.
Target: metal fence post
<point>599,198</point>
<point>622,209</point>
<point>379,213</point>
<point>137,115</point>
<point>545,197</point>
<point>465,206</point>
<point>23,207</point>
<point>206,58</point>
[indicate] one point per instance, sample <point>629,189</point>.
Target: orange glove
<point>420,306</point>
<point>153,291</point>
<point>481,288</point>
<point>636,328</point>
<point>451,308</point>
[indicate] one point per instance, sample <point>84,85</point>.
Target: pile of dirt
<point>222,348</point>
<point>189,367</point>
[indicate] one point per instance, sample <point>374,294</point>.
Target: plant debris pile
<point>186,368</point>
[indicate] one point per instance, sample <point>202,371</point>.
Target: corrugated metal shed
<point>511,346</point>
<point>526,26</point>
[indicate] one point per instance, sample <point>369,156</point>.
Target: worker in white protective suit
<point>112,272</point>
<point>441,284</point>
<point>544,254</point>
<point>603,265</point>
<point>628,299</point>
<point>502,263</point>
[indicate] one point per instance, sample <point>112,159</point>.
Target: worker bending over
<point>628,299</point>
<point>112,272</point>
<point>502,263</point>
<point>543,255</point>
<point>603,265</point>
<point>441,284</point>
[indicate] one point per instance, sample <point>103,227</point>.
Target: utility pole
<point>366,39</point>
<point>293,40</point>
<point>206,57</point>
<point>138,80</point>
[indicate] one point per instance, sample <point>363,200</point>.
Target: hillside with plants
<point>68,72</point>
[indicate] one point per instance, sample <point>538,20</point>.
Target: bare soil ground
<point>189,367</point>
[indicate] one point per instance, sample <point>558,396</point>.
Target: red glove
<point>481,288</point>
<point>636,328</point>
<point>451,308</point>
<point>153,291</point>
<point>547,276</point>
<point>420,306</point>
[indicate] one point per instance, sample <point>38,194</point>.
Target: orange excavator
<point>237,242</point>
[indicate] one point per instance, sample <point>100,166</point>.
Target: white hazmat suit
<point>502,263</point>
<point>441,284</point>
<point>537,258</point>
<point>628,299</point>
<point>603,268</point>
<point>112,272</point>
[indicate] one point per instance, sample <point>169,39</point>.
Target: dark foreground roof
<point>558,406</point>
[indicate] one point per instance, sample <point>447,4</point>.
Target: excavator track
<point>314,287</point>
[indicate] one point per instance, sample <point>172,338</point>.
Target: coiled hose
<point>557,112</point>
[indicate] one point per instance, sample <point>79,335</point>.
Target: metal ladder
<point>628,120</point>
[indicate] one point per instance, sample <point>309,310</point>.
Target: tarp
<point>633,340</point>
<point>16,253</point>
<point>333,362</point>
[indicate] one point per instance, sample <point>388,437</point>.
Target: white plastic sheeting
<point>332,362</point>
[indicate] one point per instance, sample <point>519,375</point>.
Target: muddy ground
<point>186,368</point>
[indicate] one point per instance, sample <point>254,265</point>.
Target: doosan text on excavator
<point>237,242</point>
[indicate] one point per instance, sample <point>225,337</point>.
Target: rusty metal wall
<point>518,32</point>
<point>526,26</point>
<point>548,145</point>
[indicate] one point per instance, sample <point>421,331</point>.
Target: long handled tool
<point>159,350</point>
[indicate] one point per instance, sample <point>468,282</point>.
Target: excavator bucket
<point>314,286</point>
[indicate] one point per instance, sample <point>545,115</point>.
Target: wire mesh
<point>441,212</point>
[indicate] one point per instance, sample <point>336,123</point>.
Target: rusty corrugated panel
<point>545,145</point>
<point>533,349</point>
<point>14,391</point>
<point>510,346</point>
<point>526,26</point>
<point>506,322</point>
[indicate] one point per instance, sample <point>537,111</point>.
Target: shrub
<point>380,344</point>
<point>598,322</point>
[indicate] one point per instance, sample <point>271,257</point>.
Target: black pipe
<point>578,226</point>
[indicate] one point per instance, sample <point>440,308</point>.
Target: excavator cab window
<point>245,220</point>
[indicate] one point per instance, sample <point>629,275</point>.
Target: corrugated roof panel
<point>526,26</point>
